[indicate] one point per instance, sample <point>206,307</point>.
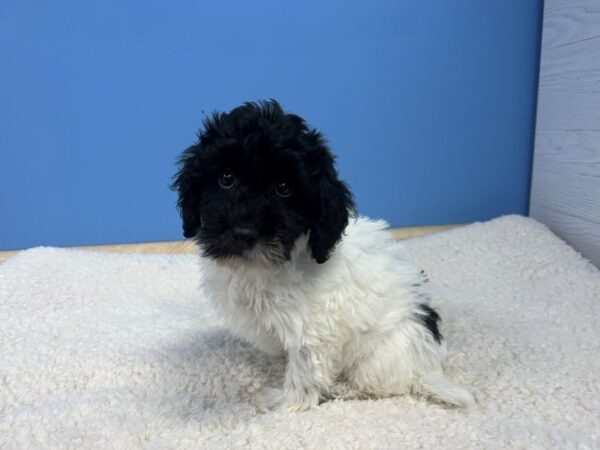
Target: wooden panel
<point>565,191</point>
<point>567,173</point>
<point>569,87</point>
<point>566,22</point>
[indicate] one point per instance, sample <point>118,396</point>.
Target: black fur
<point>429,318</point>
<point>261,146</point>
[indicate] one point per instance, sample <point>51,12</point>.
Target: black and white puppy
<point>294,270</point>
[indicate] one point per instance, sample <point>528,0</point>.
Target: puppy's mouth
<point>228,249</point>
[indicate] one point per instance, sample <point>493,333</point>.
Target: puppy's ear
<point>333,208</point>
<point>189,196</point>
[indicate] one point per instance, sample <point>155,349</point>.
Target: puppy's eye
<point>283,190</point>
<point>226,180</point>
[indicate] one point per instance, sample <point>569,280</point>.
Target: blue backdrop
<point>429,105</point>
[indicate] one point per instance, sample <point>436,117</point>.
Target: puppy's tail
<point>436,385</point>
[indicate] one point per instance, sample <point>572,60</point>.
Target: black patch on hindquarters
<point>429,318</point>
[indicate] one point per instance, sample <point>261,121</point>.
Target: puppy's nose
<point>245,233</point>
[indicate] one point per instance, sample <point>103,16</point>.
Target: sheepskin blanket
<point>119,351</point>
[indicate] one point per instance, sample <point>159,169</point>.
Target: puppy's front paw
<point>301,401</point>
<point>270,399</point>
<point>293,401</point>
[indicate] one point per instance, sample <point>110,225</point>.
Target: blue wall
<point>429,105</point>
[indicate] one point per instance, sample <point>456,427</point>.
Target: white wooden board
<point>565,192</point>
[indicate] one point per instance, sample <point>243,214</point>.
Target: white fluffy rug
<point>118,351</point>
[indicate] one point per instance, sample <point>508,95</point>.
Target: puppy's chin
<point>260,257</point>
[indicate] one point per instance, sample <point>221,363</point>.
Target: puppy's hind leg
<point>408,360</point>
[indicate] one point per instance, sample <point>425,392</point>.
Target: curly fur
<point>302,274</point>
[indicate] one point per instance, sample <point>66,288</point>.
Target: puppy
<point>295,271</point>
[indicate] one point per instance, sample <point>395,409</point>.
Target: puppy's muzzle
<point>244,235</point>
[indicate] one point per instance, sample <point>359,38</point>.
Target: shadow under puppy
<point>294,270</point>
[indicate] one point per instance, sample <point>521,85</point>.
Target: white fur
<point>352,320</point>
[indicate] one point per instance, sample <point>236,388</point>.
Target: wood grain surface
<point>570,21</point>
<point>565,191</point>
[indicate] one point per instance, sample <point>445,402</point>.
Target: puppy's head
<point>256,180</point>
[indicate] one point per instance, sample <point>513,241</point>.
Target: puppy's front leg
<point>307,377</point>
